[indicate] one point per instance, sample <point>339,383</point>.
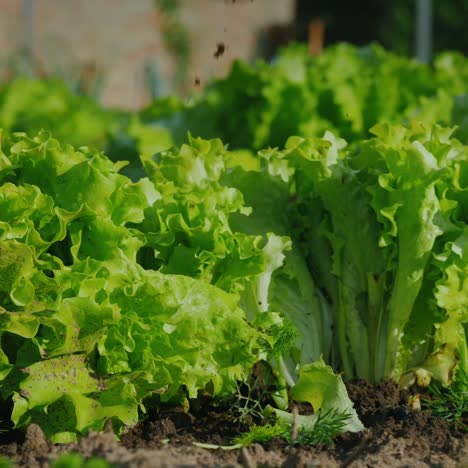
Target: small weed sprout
<point>251,396</point>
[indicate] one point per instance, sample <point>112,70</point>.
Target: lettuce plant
<point>86,332</point>
<point>113,291</point>
<point>382,227</point>
<point>345,89</point>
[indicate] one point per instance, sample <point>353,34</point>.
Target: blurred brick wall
<point>119,38</point>
<point>10,27</point>
<point>234,23</point>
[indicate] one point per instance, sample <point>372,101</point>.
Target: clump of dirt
<point>35,447</point>
<point>368,397</point>
<point>385,409</point>
<point>220,49</point>
<point>217,425</point>
<point>395,436</point>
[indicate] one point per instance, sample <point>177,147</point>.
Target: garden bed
<point>394,436</point>
<point>317,261</point>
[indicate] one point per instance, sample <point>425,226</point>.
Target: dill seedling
<point>329,424</point>
<point>450,403</point>
<point>263,434</point>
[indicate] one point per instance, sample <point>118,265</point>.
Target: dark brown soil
<point>395,436</point>
<point>220,49</point>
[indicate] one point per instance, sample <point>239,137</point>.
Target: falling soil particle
<point>220,49</point>
<point>395,436</point>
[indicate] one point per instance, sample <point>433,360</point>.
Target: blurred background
<point>126,52</point>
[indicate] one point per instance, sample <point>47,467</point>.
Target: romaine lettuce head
<point>381,226</point>
<point>293,292</point>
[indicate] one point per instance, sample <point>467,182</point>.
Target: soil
<point>395,436</point>
<point>220,49</point>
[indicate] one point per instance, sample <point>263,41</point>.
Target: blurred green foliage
<point>346,89</point>
<point>75,460</point>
